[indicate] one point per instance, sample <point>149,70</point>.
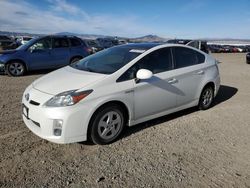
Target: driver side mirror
<point>143,74</point>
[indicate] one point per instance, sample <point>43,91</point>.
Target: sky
<point>129,18</point>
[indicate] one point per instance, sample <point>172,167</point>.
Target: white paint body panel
<point>162,94</point>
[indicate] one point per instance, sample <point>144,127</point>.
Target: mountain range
<point>146,38</point>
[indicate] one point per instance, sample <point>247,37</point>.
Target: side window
<point>157,61</point>
<point>42,44</point>
<point>185,57</point>
<point>75,42</point>
<point>60,43</point>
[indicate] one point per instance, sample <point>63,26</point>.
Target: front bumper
<point>41,119</point>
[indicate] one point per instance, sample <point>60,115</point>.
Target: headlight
<point>67,98</point>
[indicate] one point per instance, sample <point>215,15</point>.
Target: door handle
<point>200,72</point>
<point>172,81</point>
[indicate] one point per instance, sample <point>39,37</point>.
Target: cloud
<point>51,20</point>
<point>63,6</point>
<point>192,5</point>
<point>21,13</point>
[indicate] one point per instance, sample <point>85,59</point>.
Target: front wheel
<point>206,98</point>
<point>15,68</point>
<point>107,124</point>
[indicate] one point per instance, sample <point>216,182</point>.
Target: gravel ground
<point>186,149</point>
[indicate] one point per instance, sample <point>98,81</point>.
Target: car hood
<point>8,52</point>
<point>66,79</point>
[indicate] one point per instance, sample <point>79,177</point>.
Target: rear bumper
<point>248,60</point>
<point>2,69</point>
<point>217,85</point>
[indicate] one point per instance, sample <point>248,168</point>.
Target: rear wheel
<point>15,68</point>
<point>206,98</point>
<point>107,124</point>
<point>75,59</point>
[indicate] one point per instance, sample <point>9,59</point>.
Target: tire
<point>15,68</point>
<point>102,130</point>
<point>75,59</point>
<point>206,98</point>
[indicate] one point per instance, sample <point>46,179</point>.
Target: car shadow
<point>30,73</point>
<point>38,72</point>
<point>225,93</point>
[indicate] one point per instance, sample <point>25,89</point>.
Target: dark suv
<point>47,52</point>
<point>248,58</point>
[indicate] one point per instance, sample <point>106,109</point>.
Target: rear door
<point>78,47</point>
<point>189,74</point>
<point>60,51</point>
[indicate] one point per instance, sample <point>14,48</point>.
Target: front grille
<point>34,103</point>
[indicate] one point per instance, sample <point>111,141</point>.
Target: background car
<point>199,44</point>
<point>93,45</point>
<point>107,42</point>
<point>6,42</point>
<point>215,49</point>
<point>47,52</point>
<point>98,96</point>
<point>248,58</point>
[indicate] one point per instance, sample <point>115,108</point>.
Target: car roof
<point>144,46</point>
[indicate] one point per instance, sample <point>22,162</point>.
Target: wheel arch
<point>209,83</point>
<point>20,60</point>
<point>75,56</point>
<point>124,107</point>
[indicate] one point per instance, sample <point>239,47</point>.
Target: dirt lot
<point>186,149</point>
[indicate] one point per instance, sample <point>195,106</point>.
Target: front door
<point>156,94</point>
<point>39,54</point>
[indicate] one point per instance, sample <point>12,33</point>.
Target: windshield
<point>108,61</point>
<point>24,46</point>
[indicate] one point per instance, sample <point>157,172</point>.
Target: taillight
<point>89,50</point>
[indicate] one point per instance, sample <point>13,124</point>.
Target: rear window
<point>75,42</point>
<point>185,57</point>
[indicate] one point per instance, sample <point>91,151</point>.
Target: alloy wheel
<point>16,69</point>
<point>109,125</point>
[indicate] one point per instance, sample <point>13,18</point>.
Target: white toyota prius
<point>95,98</point>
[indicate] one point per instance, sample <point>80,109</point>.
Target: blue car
<point>48,52</point>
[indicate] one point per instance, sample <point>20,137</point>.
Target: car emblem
<point>27,96</point>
